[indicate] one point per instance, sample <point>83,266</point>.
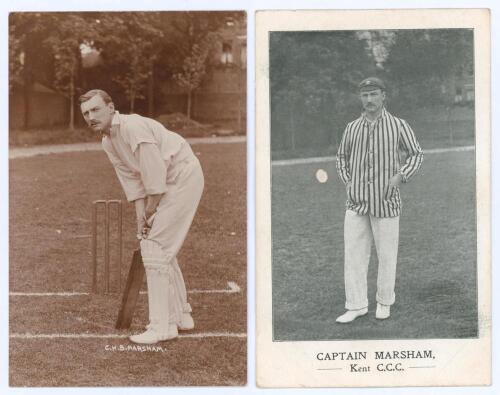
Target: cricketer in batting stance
<point>159,172</point>
<point>369,164</point>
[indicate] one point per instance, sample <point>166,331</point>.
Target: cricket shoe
<point>186,323</point>
<point>351,315</point>
<point>383,311</point>
<point>151,336</point>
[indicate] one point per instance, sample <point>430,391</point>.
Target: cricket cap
<point>370,84</point>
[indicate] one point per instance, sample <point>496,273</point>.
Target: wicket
<point>107,204</point>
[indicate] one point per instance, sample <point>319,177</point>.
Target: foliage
<point>194,67</point>
<point>133,47</point>
<point>15,57</point>
<point>129,43</point>
<point>26,32</point>
<point>44,47</point>
<point>67,33</point>
<point>190,28</point>
<point>199,32</point>
<point>314,76</point>
<point>420,62</point>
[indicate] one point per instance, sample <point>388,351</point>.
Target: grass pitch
<point>50,251</point>
<point>436,292</point>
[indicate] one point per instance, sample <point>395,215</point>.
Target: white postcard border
<point>458,362</point>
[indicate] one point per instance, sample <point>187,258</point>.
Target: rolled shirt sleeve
<point>130,180</point>
<point>342,161</point>
<point>152,167</point>
<point>414,154</point>
<point>141,149</point>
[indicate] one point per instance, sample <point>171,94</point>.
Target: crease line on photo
<point>232,287</point>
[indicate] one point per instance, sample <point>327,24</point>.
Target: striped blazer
<point>370,153</point>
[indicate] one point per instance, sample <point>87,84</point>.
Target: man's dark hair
<point>90,94</point>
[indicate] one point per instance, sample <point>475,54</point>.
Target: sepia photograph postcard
<point>127,199</point>
<point>373,198</point>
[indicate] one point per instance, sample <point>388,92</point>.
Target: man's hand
<point>152,203</point>
<point>395,181</point>
<point>141,224</point>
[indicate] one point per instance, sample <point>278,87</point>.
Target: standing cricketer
<point>160,174</point>
<point>369,164</point>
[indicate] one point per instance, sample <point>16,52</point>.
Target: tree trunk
<point>189,99</point>
<point>240,93</point>
<point>151,108</point>
<point>28,82</point>
<point>26,104</point>
<point>132,101</point>
<point>448,122</point>
<point>72,99</point>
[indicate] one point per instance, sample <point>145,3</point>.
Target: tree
<point>134,49</point>
<point>196,35</point>
<point>423,65</point>
<point>139,47</point>
<point>28,60</point>
<point>69,31</point>
<point>130,43</point>
<point>421,61</point>
<point>194,68</point>
<point>314,77</point>
<point>16,58</point>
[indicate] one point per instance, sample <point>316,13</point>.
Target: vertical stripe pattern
<point>369,155</point>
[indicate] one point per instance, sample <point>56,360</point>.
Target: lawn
<point>431,133</point>
<point>80,134</point>
<point>50,251</point>
<point>436,293</point>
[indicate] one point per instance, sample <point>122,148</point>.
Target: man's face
<point>98,114</point>
<point>372,100</point>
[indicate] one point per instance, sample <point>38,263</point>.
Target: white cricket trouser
<point>173,219</point>
<point>359,230</point>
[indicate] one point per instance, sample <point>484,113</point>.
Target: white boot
<point>383,311</point>
<point>158,274</point>
<point>186,323</point>
<point>351,315</point>
<point>151,336</point>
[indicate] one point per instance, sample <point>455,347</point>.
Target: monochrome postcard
<point>373,198</point>
<point>127,192</point>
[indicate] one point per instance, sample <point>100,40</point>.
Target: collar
<point>116,119</point>
<point>382,114</point>
<point>115,124</point>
